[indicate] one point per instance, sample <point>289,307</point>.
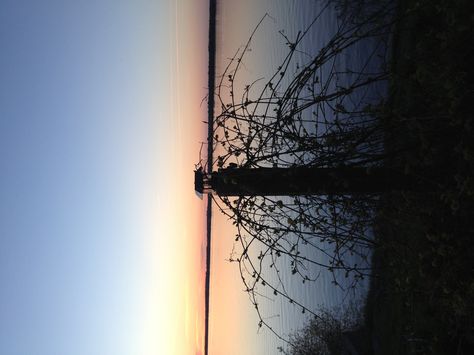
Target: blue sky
<point>86,132</point>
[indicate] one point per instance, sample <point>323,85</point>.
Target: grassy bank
<point>421,300</point>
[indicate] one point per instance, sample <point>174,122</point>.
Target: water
<point>233,321</point>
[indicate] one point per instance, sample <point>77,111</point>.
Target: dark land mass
<point>421,299</point>
<point>210,116</point>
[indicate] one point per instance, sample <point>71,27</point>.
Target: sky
<point>101,235</point>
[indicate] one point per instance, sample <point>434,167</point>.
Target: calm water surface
<point>235,22</point>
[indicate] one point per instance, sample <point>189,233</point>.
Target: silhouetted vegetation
<point>332,332</point>
<point>319,114</point>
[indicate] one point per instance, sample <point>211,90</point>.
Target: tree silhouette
<point>325,113</point>
<point>335,331</point>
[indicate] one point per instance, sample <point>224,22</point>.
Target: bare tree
<point>322,114</point>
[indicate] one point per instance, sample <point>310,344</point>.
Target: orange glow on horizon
<point>184,228</point>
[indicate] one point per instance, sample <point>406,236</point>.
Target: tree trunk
<point>305,181</point>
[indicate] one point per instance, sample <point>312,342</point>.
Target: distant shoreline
<point>210,124</point>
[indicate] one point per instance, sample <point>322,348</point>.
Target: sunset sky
<point>100,126</point>
<point>102,118</point>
